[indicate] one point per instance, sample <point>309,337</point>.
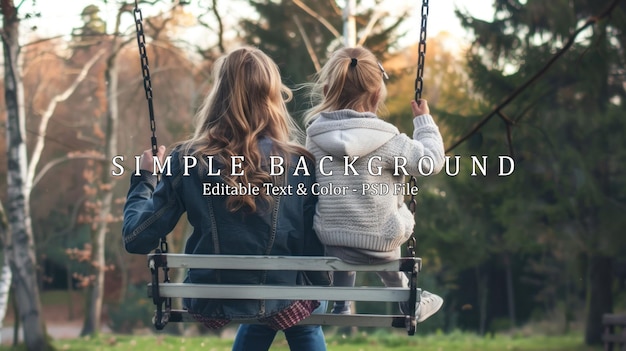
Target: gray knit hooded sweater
<point>358,217</point>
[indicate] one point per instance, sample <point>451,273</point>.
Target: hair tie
<point>353,62</point>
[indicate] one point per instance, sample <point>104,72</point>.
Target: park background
<point>539,252</point>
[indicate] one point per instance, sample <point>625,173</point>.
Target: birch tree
<point>5,274</point>
<point>117,42</point>
<point>20,247</point>
<point>93,317</point>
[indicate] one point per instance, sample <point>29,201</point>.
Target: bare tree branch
<point>220,26</point>
<point>307,43</point>
<point>68,157</point>
<point>220,30</point>
<point>370,25</point>
<point>43,40</point>
<point>496,111</point>
<point>321,19</point>
<point>47,114</point>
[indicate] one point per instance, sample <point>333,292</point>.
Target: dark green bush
<point>136,311</point>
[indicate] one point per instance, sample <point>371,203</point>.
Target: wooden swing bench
<point>162,292</point>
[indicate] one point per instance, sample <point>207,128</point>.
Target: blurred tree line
<point>542,243</point>
<point>548,239</point>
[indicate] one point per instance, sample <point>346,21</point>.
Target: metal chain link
<point>145,71</point>
<point>163,305</point>
<point>421,52</point>
<point>147,85</point>
<point>419,85</point>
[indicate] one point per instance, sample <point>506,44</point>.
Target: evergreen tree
<point>283,30</point>
<point>568,188</point>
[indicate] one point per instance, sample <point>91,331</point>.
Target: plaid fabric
<point>210,323</point>
<point>290,316</point>
<point>284,319</point>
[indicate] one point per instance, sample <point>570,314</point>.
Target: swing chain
<point>163,305</point>
<point>147,85</point>
<point>411,244</point>
<point>145,71</point>
<point>421,52</point>
<point>419,85</point>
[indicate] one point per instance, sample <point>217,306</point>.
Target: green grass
<point>379,341</point>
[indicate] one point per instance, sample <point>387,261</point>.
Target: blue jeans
<point>259,337</point>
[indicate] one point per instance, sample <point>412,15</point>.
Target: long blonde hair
<point>351,79</point>
<point>246,103</point>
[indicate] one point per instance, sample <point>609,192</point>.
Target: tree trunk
<point>94,311</point>
<point>5,286</point>
<point>510,291</point>
<point>599,298</point>
<point>6,275</point>
<point>16,324</point>
<point>21,245</point>
<point>349,23</point>
<point>483,300</point>
<point>70,293</point>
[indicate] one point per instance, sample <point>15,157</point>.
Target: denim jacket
<point>152,210</point>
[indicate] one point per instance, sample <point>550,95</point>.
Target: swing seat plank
<point>294,263</point>
<point>275,292</point>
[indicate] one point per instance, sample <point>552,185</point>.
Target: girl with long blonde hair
<point>242,123</point>
<point>245,105</point>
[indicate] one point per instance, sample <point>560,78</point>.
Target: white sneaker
<point>429,304</point>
